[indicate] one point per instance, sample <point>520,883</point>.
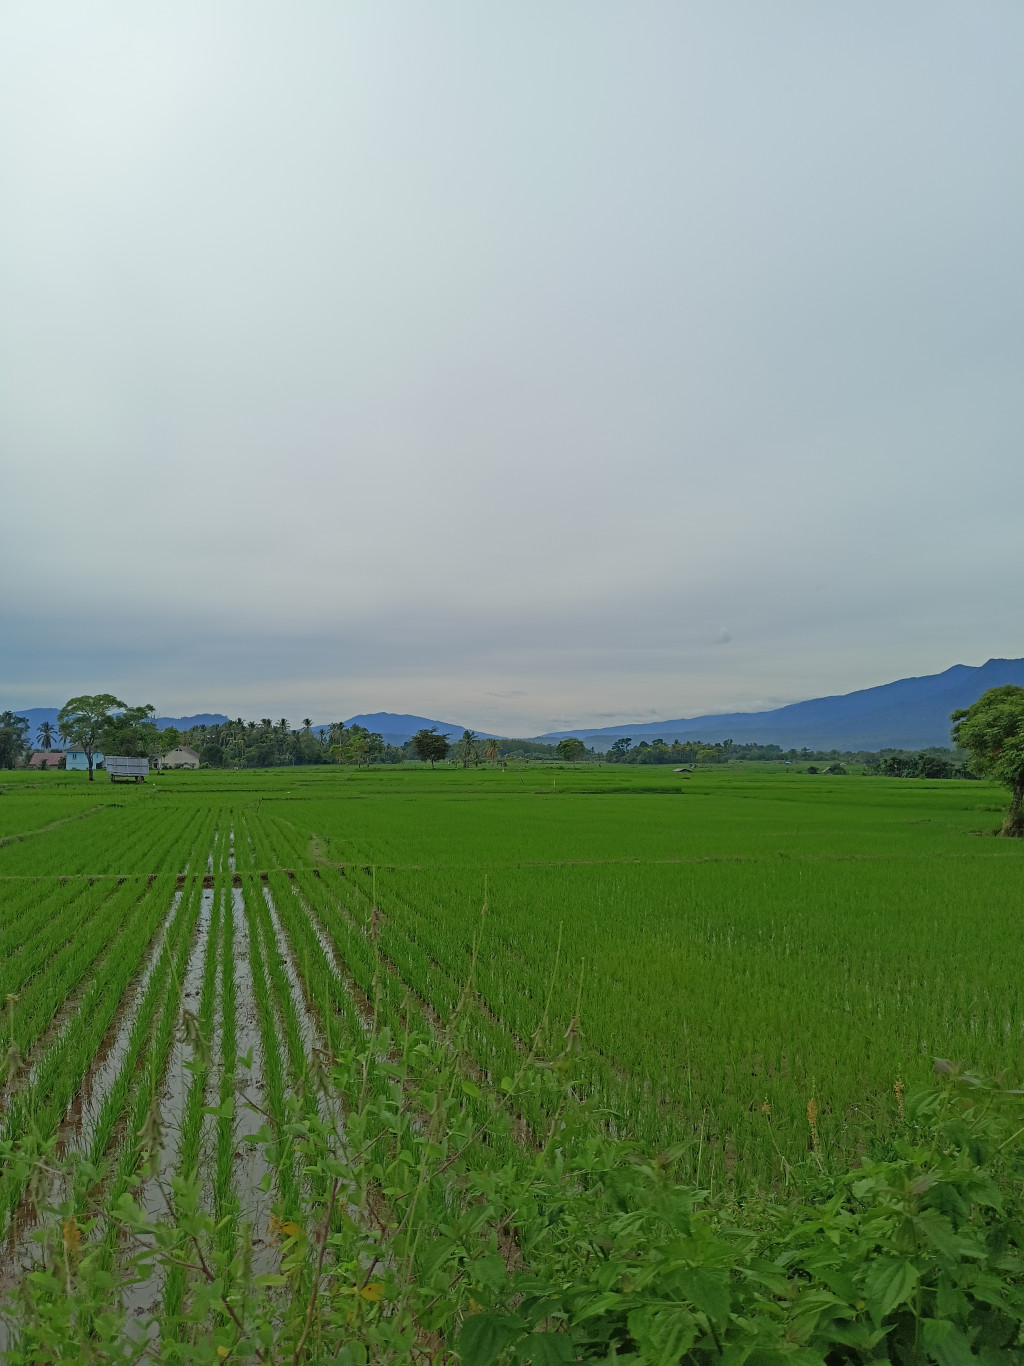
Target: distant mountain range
<point>37,715</point>
<point>912,713</point>
<point>397,729</point>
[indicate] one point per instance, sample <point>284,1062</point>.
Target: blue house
<point>76,759</point>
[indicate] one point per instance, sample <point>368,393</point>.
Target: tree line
<point>990,732</point>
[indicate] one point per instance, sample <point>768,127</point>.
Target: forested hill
<point>912,713</point>
<point>35,716</point>
<point>396,728</point>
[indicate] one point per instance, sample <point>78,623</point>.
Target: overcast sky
<point>527,364</point>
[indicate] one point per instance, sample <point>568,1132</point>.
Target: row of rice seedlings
<point>288,845</point>
<point>116,841</point>
<point>307,1028</point>
<point>512,983</point>
<point>379,1144</point>
<point>496,1035</point>
<point>339,1016</point>
<point>488,1050</point>
<point>30,904</point>
<point>263,856</point>
<point>51,995</point>
<point>143,1134</point>
<point>281,1154</point>
<point>711,1015</point>
<point>477,1129</point>
<point>50,937</point>
<point>178,839</point>
<point>32,813</point>
<point>486,1105</point>
<point>199,1036</point>
<point>38,1109</point>
<point>295,1020</point>
<point>146,838</point>
<point>226,1205</point>
<point>245,858</point>
<point>113,1108</point>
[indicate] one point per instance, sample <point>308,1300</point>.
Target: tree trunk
<point>88,756</point>
<point>1013,826</point>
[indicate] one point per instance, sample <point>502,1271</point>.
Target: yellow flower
<point>292,1229</point>
<point>222,1352</point>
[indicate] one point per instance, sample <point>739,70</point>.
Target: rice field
<point>722,956</point>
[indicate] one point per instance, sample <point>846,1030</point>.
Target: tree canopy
<point>429,746</point>
<point>84,720</point>
<point>13,738</point>
<point>571,749</point>
<point>133,732</point>
<point>992,732</point>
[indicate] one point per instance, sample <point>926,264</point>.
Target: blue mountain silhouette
<point>911,713</point>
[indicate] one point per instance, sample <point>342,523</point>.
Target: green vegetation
<point>13,739</point>
<point>993,731</point>
<point>536,1063</point>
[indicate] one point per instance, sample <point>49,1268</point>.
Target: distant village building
<point>46,758</point>
<point>77,760</point>
<point>182,757</point>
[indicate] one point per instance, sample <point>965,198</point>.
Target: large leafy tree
<point>84,721</point>
<point>13,738</point>
<point>133,732</point>
<point>992,732</point>
<point>571,749</point>
<point>429,746</point>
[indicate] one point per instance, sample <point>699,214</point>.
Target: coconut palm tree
<point>467,746</point>
<point>47,731</point>
<point>307,721</point>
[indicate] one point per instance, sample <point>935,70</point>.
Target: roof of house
<point>182,749</point>
<point>46,758</point>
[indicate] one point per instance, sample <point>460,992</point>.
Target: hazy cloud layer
<point>536,364</point>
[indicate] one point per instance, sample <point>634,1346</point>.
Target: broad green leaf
<point>889,1283</point>
<point>352,1354</point>
<point>545,1349</point>
<point>708,1289</point>
<point>483,1337</point>
<point>489,1270</point>
<point>663,1332</point>
<point>945,1343</point>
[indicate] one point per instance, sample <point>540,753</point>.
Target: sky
<point>528,365</point>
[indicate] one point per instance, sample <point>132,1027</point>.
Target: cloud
<point>364,357</point>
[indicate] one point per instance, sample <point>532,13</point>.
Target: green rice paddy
<point>725,948</point>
